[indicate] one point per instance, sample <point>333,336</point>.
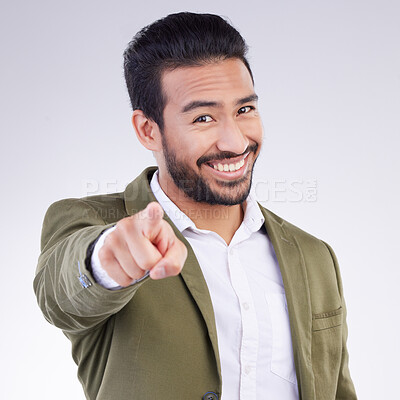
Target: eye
<point>245,109</point>
<point>203,118</point>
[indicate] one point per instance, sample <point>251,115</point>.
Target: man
<point>183,287</point>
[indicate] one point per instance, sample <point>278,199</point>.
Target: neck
<point>223,220</point>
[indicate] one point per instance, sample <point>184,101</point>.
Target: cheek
<point>259,133</point>
<point>196,144</point>
<point>253,130</point>
<point>188,149</point>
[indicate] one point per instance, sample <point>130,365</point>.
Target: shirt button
<point>247,369</point>
<point>246,306</point>
<point>210,396</point>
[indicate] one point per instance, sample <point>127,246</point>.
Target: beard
<point>198,189</point>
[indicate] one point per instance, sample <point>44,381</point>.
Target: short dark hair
<point>178,40</point>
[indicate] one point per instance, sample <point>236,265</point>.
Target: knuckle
<point>111,240</point>
<point>125,281</point>
<point>147,264</point>
<point>125,225</point>
<point>132,270</point>
<point>175,268</point>
<point>105,255</point>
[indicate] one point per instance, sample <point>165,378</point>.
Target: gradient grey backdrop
<point>328,77</point>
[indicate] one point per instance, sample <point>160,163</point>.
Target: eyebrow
<point>204,103</point>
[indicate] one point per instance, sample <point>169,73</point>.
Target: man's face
<point>212,133</point>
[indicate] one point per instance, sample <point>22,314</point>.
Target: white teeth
<point>228,167</point>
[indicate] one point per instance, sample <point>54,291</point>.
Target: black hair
<point>177,40</point>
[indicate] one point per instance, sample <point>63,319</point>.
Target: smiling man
<point>183,286</point>
<point>222,162</point>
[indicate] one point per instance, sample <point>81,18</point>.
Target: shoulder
<point>66,216</point>
<point>304,239</point>
<point>107,207</point>
<point>313,254</point>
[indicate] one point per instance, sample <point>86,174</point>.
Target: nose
<point>231,138</point>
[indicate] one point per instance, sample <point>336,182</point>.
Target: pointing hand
<point>142,242</point>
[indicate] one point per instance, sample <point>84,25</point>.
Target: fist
<point>140,243</point>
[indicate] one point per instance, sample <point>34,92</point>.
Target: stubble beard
<point>194,186</point>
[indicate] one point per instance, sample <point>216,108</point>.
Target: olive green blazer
<point>158,339</point>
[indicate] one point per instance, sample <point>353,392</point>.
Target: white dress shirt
<point>249,302</point>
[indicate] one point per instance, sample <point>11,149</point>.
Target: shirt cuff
<point>98,272</point>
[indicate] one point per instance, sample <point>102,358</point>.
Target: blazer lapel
<point>137,195</point>
<point>195,282</point>
<point>295,281</point>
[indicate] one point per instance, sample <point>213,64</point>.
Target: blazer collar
<point>138,193</point>
<point>294,275</point>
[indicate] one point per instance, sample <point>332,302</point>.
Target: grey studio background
<point>328,77</point>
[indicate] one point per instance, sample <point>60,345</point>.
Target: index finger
<point>152,216</point>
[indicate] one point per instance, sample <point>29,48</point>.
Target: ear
<point>147,131</point>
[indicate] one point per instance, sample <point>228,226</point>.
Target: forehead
<point>222,81</point>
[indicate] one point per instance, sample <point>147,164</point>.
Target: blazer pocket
<point>327,320</point>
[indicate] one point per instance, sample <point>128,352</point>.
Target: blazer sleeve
<point>66,292</point>
<point>345,387</point>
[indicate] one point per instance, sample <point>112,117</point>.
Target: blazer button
<point>210,396</point>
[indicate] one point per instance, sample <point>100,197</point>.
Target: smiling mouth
<point>232,166</point>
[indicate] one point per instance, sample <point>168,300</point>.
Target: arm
<point>68,294</point>
<point>345,388</point>
<point>69,228</point>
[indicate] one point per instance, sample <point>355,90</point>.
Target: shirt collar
<point>178,218</point>
<point>253,218</point>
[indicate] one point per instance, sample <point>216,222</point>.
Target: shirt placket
<point>249,340</point>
